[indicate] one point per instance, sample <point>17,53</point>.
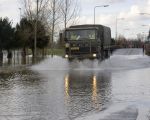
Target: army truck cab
<point>87,41</point>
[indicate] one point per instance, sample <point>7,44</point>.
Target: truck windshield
<point>81,34</point>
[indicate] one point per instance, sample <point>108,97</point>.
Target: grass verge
<point>59,52</point>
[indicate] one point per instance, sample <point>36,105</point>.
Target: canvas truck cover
<point>107,36</point>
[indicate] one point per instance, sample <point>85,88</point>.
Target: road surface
<point>56,89</point>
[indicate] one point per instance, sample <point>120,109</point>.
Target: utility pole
<point>53,24</point>
<point>66,11</point>
<point>146,25</point>
<point>96,7</point>
<point>35,38</point>
<point>117,26</point>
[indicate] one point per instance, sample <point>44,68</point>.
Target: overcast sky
<point>127,9</point>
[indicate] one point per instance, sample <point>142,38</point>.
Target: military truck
<point>87,41</point>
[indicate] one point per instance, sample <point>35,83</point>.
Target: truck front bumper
<point>82,56</point>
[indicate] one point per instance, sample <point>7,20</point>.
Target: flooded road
<point>56,89</point>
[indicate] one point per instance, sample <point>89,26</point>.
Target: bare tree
<point>29,8</point>
<point>70,10</point>
<point>54,17</point>
<point>140,37</point>
<point>52,13</point>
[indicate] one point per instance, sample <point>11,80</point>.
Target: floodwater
<point>116,88</point>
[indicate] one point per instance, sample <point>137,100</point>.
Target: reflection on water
<point>87,91</point>
<point>17,59</point>
<point>20,76</point>
<point>17,90</point>
<point>67,87</point>
<point>52,94</point>
<point>94,90</point>
<point>65,91</point>
<point>28,60</point>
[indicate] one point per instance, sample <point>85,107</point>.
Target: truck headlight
<point>66,56</point>
<point>94,55</point>
<point>67,45</point>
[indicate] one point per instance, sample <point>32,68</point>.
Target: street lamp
<point>117,25</point>
<point>96,7</point>
<point>144,13</point>
<point>146,26</point>
<point>144,34</point>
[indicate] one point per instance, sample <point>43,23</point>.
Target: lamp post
<point>117,26</point>
<point>146,26</point>
<point>144,13</point>
<point>96,7</point>
<point>144,35</point>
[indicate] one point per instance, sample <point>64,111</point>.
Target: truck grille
<point>84,50</point>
